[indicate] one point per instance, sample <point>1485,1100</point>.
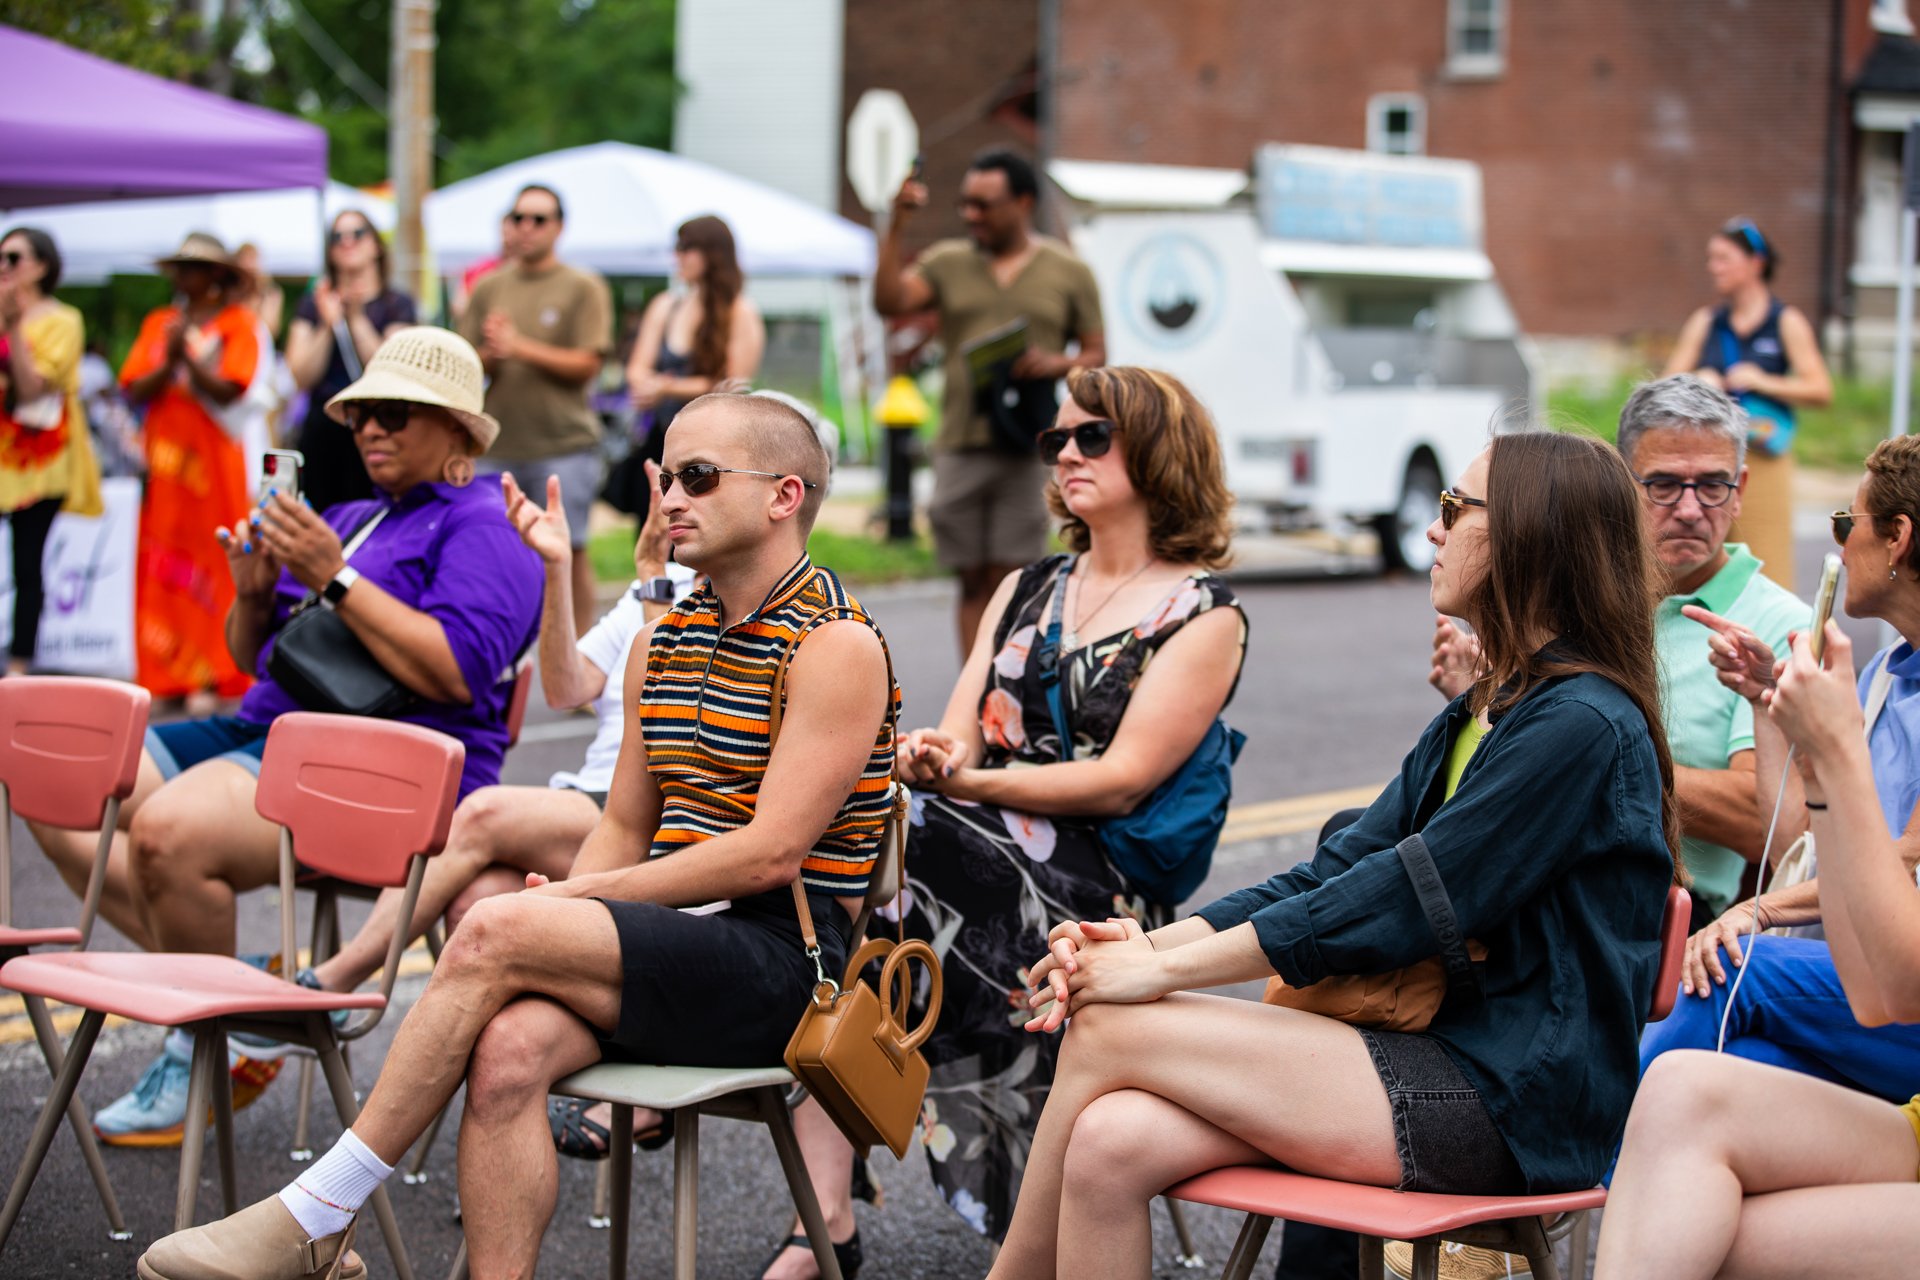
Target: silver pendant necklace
<point>1072,639</point>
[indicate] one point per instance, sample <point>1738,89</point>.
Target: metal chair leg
<point>417,1168</point>
<point>63,1089</point>
<point>1531,1235</point>
<point>220,1082</point>
<point>459,1269</point>
<point>1189,1255</point>
<point>77,1118</point>
<point>1426,1259</point>
<point>686,1189</point>
<point>779,1120</point>
<point>619,1185</point>
<point>340,1084</point>
<point>1579,1244</point>
<point>193,1138</point>
<point>1246,1249</point>
<point>302,1149</point>
<point>1373,1258</point>
<point>597,1216</point>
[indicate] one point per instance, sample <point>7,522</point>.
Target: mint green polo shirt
<point>1707,723</point>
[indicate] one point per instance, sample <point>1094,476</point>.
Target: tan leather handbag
<point>852,1050</point>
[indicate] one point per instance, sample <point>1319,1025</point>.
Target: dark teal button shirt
<point>1553,853</point>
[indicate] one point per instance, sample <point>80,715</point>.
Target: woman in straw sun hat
<point>194,358</point>
<point>440,591</point>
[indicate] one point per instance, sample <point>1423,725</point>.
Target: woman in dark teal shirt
<point>1556,851</point>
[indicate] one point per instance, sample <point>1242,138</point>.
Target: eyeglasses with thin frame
<point>520,219</point>
<point>974,204</point>
<point>701,477</point>
<point>348,235</point>
<point>1453,504</point>
<point>1666,491</point>
<point>392,415</point>
<point>1843,522</point>
<point>1093,438</point>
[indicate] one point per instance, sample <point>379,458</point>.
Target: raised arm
<point>900,290</point>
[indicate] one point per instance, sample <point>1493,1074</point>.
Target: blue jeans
<point>1792,1013</point>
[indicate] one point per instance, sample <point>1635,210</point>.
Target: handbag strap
<point>776,713</point>
<point>1877,691</point>
<point>1047,660</point>
<point>349,354</point>
<point>1462,978</point>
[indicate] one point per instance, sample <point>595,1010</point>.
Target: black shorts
<point>1448,1143</point>
<point>719,990</point>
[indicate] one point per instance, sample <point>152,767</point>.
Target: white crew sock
<point>324,1199</point>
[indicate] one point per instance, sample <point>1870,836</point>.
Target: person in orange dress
<point>192,360</point>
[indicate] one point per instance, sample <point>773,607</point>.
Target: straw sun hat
<point>426,365</point>
<point>201,249</point>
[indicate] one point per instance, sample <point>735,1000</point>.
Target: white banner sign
<point>86,627</point>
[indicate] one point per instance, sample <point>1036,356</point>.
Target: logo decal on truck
<point>1172,290</point>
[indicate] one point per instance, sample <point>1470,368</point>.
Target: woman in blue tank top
<point>1764,354</point>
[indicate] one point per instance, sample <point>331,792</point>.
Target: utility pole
<point>410,132</point>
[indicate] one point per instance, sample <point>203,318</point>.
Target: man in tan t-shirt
<point>542,329</point>
<point>989,508</point>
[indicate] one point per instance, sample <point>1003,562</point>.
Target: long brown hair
<point>1173,461</point>
<point>720,284</point>
<point>1569,556</point>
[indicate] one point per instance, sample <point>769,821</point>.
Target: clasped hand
<point>929,758</point>
<point>1094,962</point>
<point>281,533</point>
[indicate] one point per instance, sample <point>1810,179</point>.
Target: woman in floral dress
<point>1003,841</point>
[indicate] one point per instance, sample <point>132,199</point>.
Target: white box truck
<point>1336,313</point>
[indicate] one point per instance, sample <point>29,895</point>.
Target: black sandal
<point>574,1135</point>
<point>848,1255</point>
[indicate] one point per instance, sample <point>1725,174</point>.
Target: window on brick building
<point>1891,16</point>
<point>1397,124</point>
<point>1476,37</point>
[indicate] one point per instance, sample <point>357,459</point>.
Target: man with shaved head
<point>603,965</point>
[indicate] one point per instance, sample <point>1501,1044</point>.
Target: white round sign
<point>882,140</point>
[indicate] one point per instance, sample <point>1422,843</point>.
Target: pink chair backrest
<point>1673,950</point>
<point>360,796</point>
<point>68,744</point>
<point>517,702</point>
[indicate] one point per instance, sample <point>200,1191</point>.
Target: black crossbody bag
<point>323,666</point>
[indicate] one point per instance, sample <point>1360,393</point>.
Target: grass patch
<point>1838,437</point>
<point>858,559</point>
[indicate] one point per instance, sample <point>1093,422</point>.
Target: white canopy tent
<point>123,237</point>
<point>623,204</point>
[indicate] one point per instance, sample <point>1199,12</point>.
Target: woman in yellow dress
<point>46,456</point>
<point>192,360</point>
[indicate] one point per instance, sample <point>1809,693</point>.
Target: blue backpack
<point>1165,846</point>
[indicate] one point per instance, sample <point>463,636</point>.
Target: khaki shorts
<point>988,508</point>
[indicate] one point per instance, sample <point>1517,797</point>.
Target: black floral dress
<point>985,884</point>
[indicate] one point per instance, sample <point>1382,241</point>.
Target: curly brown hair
<point>1893,489</point>
<point>1173,461</point>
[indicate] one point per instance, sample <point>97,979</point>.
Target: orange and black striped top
<point>703,718</point>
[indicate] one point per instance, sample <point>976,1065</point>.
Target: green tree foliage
<point>513,78</point>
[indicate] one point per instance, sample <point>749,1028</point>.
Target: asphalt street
<point>1332,695</point>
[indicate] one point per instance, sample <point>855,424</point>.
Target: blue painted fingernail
<point>246,546</point>
<point>272,492</point>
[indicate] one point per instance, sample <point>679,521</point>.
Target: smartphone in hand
<point>280,470</point>
<point>1823,607</point>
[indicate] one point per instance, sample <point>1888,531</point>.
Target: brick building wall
<point>1619,135</point>
<point>952,65</point>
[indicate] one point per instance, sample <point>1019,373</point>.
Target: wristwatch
<point>657,590</point>
<point>336,590</point>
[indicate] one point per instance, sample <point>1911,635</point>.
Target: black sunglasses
<point>1665,491</point>
<point>13,257</point>
<point>701,477</point>
<point>349,235</point>
<point>1843,522</point>
<point>537,219</point>
<point>1092,438</point>
<point>1453,505</point>
<point>392,415</point>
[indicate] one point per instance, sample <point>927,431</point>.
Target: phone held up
<point>1823,607</point>
<point>280,471</point>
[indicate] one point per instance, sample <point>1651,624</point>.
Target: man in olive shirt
<point>989,509</point>
<point>542,329</point>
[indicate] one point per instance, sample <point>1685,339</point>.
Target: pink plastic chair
<point>364,800</point>
<point>1526,1225</point>
<point>69,755</point>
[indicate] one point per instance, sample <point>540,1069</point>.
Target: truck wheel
<point>1403,531</point>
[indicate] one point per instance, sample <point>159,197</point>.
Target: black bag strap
<point>1046,660</point>
<point>1462,978</point>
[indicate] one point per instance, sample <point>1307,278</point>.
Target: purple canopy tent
<point>79,128</point>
